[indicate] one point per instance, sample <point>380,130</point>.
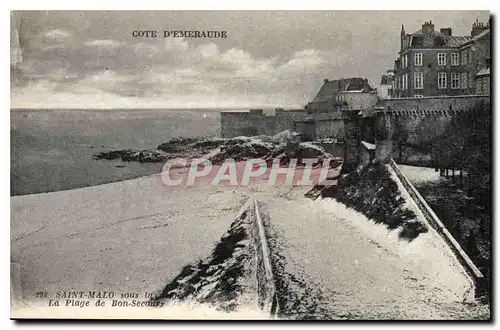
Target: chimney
<point>477,28</point>
<point>428,34</point>
<point>403,34</point>
<point>446,32</point>
<point>325,81</point>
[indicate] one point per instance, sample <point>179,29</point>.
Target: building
<point>482,83</point>
<point>341,94</point>
<point>475,56</point>
<point>384,91</point>
<point>436,63</point>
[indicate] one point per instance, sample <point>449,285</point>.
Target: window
<point>441,59</point>
<point>464,57</point>
<point>471,80</point>
<point>405,81</point>
<point>478,86</point>
<point>404,61</point>
<point>418,80</point>
<point>442,80</point>
<point>469,56</point>
<point>486,85</point>
<point>418,96</point>
<point>418,59</point>
<point>454,59</point>
<point>463,80</point>
<point>455,81</point>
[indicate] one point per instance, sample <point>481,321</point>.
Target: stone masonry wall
<point>434,103</point>
<point>255,122</point>
<point>418,122</point>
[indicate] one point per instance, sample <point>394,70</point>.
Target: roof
<point>419,31</point>
<point>440,40</point>
<point>455,41</point>
<point>483,72</point>
<point>333,87</point>
<point>369,146</point>
<point>476,38</point>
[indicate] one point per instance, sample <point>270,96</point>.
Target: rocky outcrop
<point>283,146</point>
<point>182,145</point>
<point>133,155</point>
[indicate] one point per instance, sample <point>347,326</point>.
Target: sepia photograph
<point>251,165</point>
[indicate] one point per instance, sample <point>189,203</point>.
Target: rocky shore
<point>284,145</point>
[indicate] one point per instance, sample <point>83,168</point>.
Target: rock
<point>243,151</point>
<point>177,144</point>
<point>128,155</point>
<point>284,145</point>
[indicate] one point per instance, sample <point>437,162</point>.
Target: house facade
<point>386,84</point>
<point>343,94</point>
<point>475,56</point>
<point>436,63</point>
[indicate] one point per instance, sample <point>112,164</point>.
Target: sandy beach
<point>136,235</point>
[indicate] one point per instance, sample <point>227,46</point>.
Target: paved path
<point>332,262</point>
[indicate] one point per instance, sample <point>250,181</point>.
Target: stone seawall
<point>256,122</point>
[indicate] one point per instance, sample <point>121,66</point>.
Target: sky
<point>90,59</point>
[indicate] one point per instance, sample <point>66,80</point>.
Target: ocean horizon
<point>52,149</point>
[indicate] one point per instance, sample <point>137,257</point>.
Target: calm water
<point>52,149</point>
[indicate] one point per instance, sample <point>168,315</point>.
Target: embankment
<point>236,276</point>
<point>482,287</point>
<point>374,193</point>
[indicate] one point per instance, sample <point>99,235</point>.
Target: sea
<point>52,150</point>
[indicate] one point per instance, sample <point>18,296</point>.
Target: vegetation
<point>465,209</point>
<point>373,193</point>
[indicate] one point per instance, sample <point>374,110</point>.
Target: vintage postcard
<point>281,165</point>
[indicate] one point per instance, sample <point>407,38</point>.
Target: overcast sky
<point>89,59</point>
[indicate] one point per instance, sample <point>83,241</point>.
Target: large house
<point>343,94</point>
<point>436,63</point>
<point>475,57</point>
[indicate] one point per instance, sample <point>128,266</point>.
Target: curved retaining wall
<point>436,223</point>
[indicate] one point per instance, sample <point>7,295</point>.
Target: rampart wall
<point>418,122</point>
<point>415,122</point>
<point>255,122</point>
<point>462,102</point>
